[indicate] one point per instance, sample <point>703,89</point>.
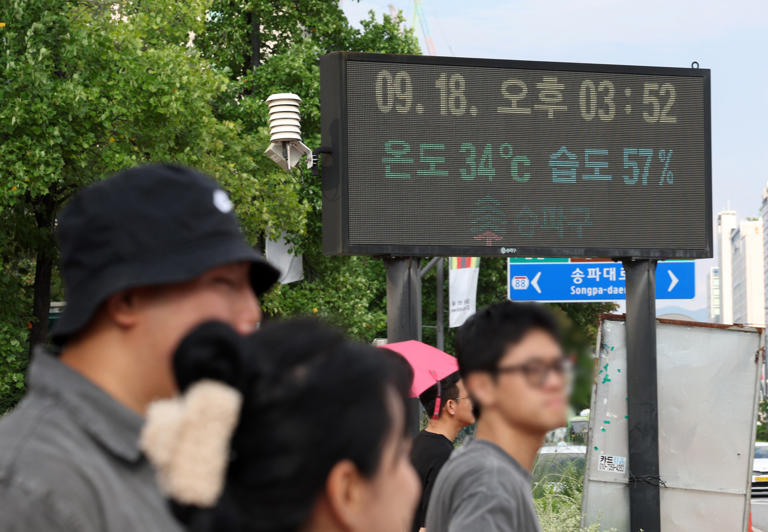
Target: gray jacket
<point>70,461</point>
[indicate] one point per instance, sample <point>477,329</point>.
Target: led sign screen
<point>451,156</point>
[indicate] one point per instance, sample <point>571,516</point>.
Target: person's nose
<point>249,314</point>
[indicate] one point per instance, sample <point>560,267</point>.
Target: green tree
<point>762,421</point>
<point>15,284</point>
<point>89,88</point>
<point>267,47</point>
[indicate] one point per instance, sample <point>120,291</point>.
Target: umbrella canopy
<point>429,363</point>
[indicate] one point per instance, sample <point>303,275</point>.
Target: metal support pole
<point>431,264</point>
<point>403,299</point>
<point>643,434</point>
<point>440,323</point>
<point>404,310</point>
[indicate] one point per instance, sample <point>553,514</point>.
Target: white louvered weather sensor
<point>285,146</point>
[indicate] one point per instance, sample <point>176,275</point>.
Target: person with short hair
<point>511,359</point>
<point>146,255</point>
<point>450,409</point>
<point>292,429</point>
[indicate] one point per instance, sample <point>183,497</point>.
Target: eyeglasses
<point>537,371</point>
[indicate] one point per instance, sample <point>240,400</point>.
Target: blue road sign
<point>593,281</point>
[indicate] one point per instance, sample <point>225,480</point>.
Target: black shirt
<point>428,454</point>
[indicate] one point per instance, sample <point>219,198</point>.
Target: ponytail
<point>188,438</point>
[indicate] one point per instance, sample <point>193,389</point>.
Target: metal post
<point>431,264</point>
<point>440,323</point>
<point>404,310</point>
<point>643,434</point>
<point>403,299</point>
<point>438,264</point>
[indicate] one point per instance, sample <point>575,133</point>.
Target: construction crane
<point>421,19</point>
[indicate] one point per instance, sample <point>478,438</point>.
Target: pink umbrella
<point>429,363</point>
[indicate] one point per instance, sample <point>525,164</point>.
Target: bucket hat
<point>148,225</point>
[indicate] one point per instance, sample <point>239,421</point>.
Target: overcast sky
<point>730,38</point>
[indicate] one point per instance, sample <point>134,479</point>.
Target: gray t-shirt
<point>70,460</point>
<point>481,488</point>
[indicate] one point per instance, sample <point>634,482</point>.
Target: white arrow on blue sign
<point>593,281</point>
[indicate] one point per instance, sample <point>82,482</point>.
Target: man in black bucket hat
<point>145,255</point>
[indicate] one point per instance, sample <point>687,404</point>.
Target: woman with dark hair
<point>292,429</point>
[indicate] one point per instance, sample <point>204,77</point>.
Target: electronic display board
<point>450,156</point>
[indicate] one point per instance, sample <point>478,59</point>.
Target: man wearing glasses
<point>512,364</point>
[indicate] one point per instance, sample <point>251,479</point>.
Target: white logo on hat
<point>222,201</point>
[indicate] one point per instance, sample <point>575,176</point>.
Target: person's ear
<point>481,388</point>
<point>450,407</point>
<point>345,491</point>
<point>123,308</point>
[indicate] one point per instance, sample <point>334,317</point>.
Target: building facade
<point>713,303</point>
<point>726,223</point>
<point>764,216</point>
<point>748,273</point>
